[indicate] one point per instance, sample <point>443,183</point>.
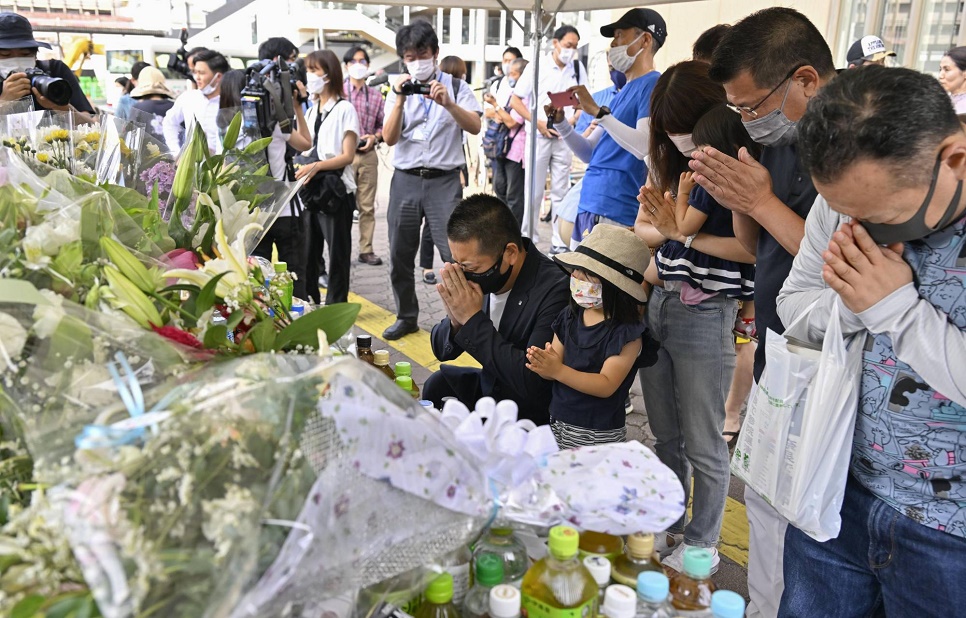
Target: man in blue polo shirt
<point>615,150</point>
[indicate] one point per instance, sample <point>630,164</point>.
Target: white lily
<point>42,242</point>
<point>233,213</point>
<point>13,338</point>
<point>232,259</point>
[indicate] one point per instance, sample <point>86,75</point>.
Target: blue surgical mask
<point>619,79</point>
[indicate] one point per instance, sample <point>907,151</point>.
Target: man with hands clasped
<point>502,296</point>
<point>887,240</point>
<point>426,131</point>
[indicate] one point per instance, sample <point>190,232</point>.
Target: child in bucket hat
<point>598,339</point>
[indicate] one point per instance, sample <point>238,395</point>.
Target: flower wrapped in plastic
<point>118,158</point>
<point>61,140</point>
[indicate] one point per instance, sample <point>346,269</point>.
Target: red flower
<point>178,336</point>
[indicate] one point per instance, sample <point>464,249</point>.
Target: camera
<point>410,88</point>
<point>55,89</point>
<point>178,61</point>
<point>268,98</point>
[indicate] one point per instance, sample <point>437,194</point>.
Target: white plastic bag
<point>796,440</point>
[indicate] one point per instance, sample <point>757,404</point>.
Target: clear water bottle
<point>727,604</point>
<point>619,602</point>
<point>489,573</point>
<point>504,602</point>
<point>599,568</point>
<point>652,596</point>
<point>500,540</point>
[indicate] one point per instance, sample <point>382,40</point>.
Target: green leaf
<point>235,319</point>
<point>257,146</point>
<point>335,320</point>
<point>28,607</point>
<point>216,337</point>
<point>262,336</point>
<point>72,605</point>
<point>207,297</point>
<point>231,135</point>
<point>262,171</point>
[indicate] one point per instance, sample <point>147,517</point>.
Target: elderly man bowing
<point>501,296</point>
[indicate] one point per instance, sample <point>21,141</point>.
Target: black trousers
<point>288,234</point>
<point>336,230</point>
<point>509,185</point>
<point>451,381</point>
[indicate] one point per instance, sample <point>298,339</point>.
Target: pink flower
<point>396,450</point>
<point>182,258</point>
<point>178,336</point>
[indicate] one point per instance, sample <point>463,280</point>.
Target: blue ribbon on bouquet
<point>129,430</point>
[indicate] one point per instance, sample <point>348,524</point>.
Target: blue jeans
<point>882,564</point>
<point>684,394</point>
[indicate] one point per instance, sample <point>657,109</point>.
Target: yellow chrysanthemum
<point>43,157</point>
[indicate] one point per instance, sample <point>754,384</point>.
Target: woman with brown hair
<point>693,305</point>
<point>334,126</point>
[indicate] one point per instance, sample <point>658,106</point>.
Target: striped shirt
<point>572,436</point>
<point>370,106</point>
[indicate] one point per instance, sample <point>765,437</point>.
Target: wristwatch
<point>604,111</point>
<point>688,241</point>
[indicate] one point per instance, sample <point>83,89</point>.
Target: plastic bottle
<point>691,590</point>
<point>560,586</point>
<point>599,568</point>
<point>504,602</point>
<point>439,599</point>
<point>406,383</point>
<point>727,604</point>
<point>600,544</point>
<point>619,602</point>
<point>489,573</point>
<point>638,557</point>
<point>405,369</point>
<point>652,596</point>
<point>380,358</point>
<point>364,349</point>
<point>289,288</point>
<point>501,541</point>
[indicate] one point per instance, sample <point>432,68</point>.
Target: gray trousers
<point>411,199</point>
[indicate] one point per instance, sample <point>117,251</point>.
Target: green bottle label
<point>535,608</point>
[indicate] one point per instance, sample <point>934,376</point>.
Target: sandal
<point>429,277</point>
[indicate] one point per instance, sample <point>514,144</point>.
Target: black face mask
<point>916,227</point>
<point>491,280</point>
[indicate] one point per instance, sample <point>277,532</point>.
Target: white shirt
<point>338,118</point>
<point>503,92</point>
<point>497,305</point>
<point>430,136</point>
<point>191,107</point>
<point>552,79</point>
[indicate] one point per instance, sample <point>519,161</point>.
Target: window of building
<point>492,27</point>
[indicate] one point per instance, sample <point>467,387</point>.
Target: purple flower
<point>627,464</point>
<point>622,509</point>
<point>396,450</point>
<point>451,492</point>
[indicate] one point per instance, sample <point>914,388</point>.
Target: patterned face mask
<point>586,294</point>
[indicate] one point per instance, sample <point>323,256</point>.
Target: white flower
<point>233,260</point>
<point>43,241</point>
<point>13,337</point>
<point>228,519</point>
<point>233,213</point>
<point>47,317</point>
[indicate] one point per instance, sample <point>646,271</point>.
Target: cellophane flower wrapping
<point>118,159</point>
<point>63,140</point>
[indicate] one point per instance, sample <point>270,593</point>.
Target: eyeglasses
<point>362,61</point>
<point>751,111</point>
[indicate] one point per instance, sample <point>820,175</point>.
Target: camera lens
<point>53,88</point>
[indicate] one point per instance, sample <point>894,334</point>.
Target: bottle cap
<point>281,267</point>
<point>440,590</point>
<point>563,542</point>
<point>504,602</point>
<point>620,602</point>
<point>426,403</point>
<point>652,586</point>
<point>640,545</point>
<point>489,570</point>
<point>501,530</point>
<point>404,382</point>
<point>697,562</point>
<point>727,604</point>
<point>381,357</point>
<point>364,341</point>
<point>404,369</point>
<point>599,568</point>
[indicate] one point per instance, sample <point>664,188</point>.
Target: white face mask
<point>315,84</point>
<point>620,59</point>
<point>212,86</point>
<point>9,66</point>
<point>566,55</point>
<point>422,70</point>
<point>586,294</point>
<point>357,70</point>
<point>506,68</point>
<point>684,143</point>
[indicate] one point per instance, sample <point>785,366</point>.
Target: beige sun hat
<point>613,254</point>
<point>151,81</point>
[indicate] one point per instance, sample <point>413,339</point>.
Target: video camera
<point>55,89</point>
<point>178,61</point>
<point>410,88</point>
<point>269,96</point>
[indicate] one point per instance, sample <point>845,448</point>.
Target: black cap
<point>17,33</point>
<point>643,19</point>
<point>869,47</point>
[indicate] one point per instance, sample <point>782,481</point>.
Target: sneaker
<point>628,405</point>
<point>557,250</point>
<point>676,560</point>
<point>355,216</point>
<point>666,543</point>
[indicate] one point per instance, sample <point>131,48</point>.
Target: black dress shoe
<point>400,329</point>
<point>370,258</point>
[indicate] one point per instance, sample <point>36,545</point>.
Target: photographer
<point>426,113</point>
<point>288,232</point>
<point>198,105</point>
<point>18,56</point>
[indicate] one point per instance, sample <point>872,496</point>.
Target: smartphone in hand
<point>564,99</point>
